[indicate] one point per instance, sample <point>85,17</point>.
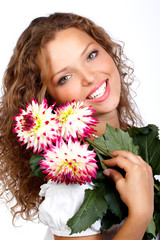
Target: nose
<point>88,76</point>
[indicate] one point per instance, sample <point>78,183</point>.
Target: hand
<point>136,189</point>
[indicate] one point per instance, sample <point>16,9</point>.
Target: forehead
<point>68,40</point>
<point>67,47</point>
<point>74,32</point>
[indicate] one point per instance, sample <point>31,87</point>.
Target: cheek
<point>118,84</point>
<point>118,89</point>
<point>64,94</point>
<point>116,78</point>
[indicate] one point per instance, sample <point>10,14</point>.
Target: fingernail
<point>106,172</point>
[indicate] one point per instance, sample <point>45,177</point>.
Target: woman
<point>64,57</point>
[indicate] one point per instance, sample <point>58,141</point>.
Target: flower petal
<point>36,126</point>
<point>74,119</point>
<point>63,163</point>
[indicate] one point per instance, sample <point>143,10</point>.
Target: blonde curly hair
<point>24,79</point>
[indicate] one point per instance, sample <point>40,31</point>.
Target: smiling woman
<point>89,71</point>
<point>64,57</point>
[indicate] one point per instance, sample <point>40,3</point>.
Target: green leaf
<point>149,149</point>
<point>149,145</point>
<point>115,204</point>
<point>108,221</point>
<point>104,202</point>
<point>34,164</point>
<point>151,228</point>
<point>148,236</point>
<point>157,221</point>
<point>93,208</point>
<point>157,193</point>
<point>98,148</point>
<point>116,139</point>
<point>133,131</point>
<point>101,161</point>
<point>157,184</point>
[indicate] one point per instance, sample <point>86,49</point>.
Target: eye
<point>92,55</point>
<point>63,80</point>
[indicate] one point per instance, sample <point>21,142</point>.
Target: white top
<point>61,203</point>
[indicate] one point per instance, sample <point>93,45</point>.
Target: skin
<point>74,51</point>
<point>76,65</point>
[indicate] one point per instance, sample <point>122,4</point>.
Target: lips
<point>100,92</point>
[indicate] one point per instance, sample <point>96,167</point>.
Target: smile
<point>100,92</point>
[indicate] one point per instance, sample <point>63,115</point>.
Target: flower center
<point>28,122</point>
<point>65,114</point>
<point>69,163</point>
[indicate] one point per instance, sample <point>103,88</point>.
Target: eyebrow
<point>65,68</point>
<point>86,48</point>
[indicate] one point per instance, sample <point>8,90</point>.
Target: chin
<point>108,109</point>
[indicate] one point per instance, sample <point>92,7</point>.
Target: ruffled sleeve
<point>60,203</point>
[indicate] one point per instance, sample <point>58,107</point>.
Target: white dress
<point>61,203</point>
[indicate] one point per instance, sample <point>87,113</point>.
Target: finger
<point>128,155</point>
<point>113,174</point>
<point>119,162</point>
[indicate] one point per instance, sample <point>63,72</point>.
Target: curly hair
<point>24,79</point>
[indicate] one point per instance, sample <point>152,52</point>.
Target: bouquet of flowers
<point>63,152</point>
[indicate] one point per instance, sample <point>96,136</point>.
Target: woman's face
<point>80,69</point>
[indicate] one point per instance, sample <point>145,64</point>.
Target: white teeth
<point>99,92</point>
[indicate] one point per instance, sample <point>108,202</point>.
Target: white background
<point>135,22</point>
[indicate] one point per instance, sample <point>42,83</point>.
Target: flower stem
<point>100,148</point>
<point>156,187</point>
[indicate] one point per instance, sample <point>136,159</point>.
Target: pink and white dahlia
<point>69,162</point>
<point>36,126</point>
<point>74,119</point>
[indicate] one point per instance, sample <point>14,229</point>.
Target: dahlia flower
<point>36,126</point>
<point>69,162</point>
<point>74,119</point>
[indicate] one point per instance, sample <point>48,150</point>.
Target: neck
<point>110,118</point>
